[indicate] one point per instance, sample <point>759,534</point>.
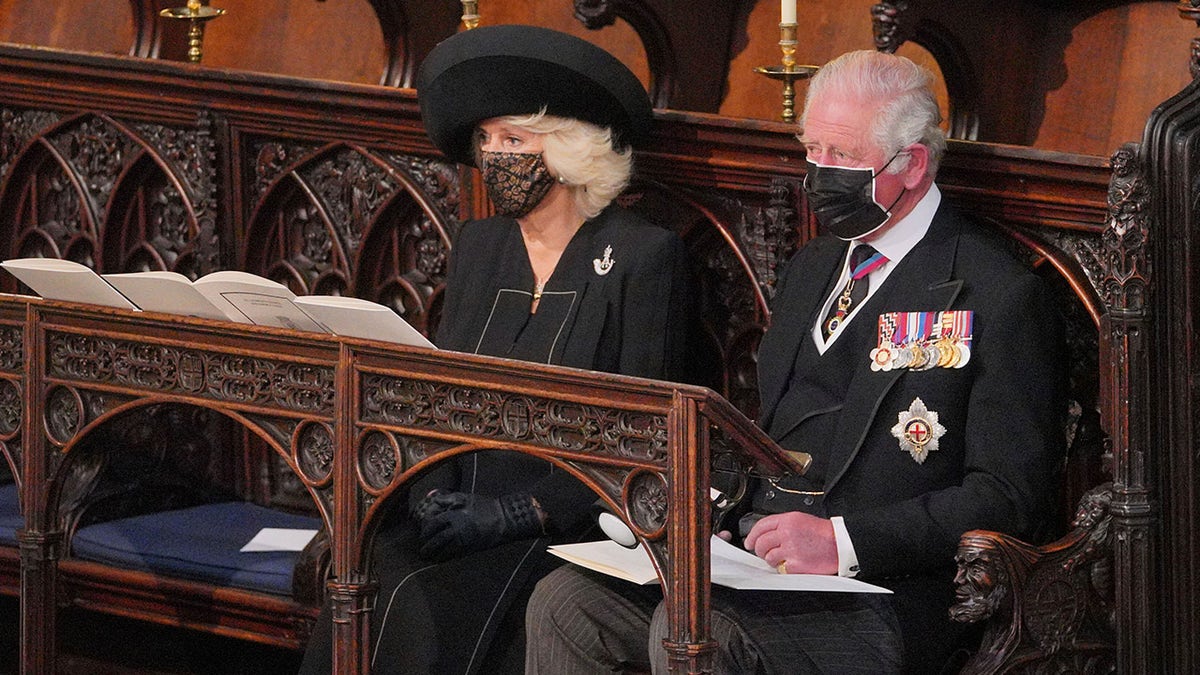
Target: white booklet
<point>230,295</point>
<point>56,279</point>
<point>356,317</point>
<point>731,567</point>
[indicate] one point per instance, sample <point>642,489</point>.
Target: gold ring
<point>782,567</point>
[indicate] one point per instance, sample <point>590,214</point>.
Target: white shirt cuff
<point>847,558</point>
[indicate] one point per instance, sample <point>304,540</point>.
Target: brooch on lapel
<point>918,430</point>
<point>605,264</point>
<point>923,340</point>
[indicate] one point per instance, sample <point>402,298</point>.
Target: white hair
<point>581,155</point>
<point>907,109</point>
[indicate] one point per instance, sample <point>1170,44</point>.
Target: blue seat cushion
<point>10,514</point>
<point>201,543</point>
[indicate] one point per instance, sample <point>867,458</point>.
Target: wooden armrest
<point>312,571</point>
<point>1046,608</point>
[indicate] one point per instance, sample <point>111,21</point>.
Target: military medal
<point>882,354</point>
<point>843,307</point>
<point>964,322</point>
<point>947,353</point>
<point>860,270</point>
<point>919,322</point>
<point>922,340</point>
<point>901,357</point>
<point>918,430</point>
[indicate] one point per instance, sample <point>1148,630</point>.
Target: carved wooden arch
<point>656,40</point>
<point>389,458</point>
<point>10,423</point>
<point>343,219</point>
<point>408,43</point>
<point>80,460</point>
<point>1065,260</point>
<point>894,24</point>
<point>684,74</point>
<point>12,358</point>
<point>56,211</point>
<point>87,178</point>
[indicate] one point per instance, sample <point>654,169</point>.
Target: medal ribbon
<point>887,327</point>
<point>901,334</point>
<point>867,266</point>
<point>964,321</point>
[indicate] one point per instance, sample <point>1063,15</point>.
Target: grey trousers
<point>579,622</point>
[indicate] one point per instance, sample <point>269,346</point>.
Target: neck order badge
<point>863,260</point>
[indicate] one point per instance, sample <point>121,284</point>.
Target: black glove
<point>453,523</point>
<point>439,501</point>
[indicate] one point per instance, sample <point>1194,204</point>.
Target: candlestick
<point>787,11</point>
<point>788,71</point>
<point>470,16</point>
<point>196,14</point>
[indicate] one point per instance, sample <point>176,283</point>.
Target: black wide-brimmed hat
<point>515,70</point>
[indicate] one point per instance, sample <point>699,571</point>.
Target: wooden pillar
<point>39,541</point>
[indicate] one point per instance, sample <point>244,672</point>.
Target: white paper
<point>279,539</point>
<point>168,292</point>
<point>56,279</point>
<point>265,309</point>
<point>356,317</point>
<point>259,300</point>
<point>731,567</point>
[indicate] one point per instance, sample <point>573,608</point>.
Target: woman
<point>559,275</point>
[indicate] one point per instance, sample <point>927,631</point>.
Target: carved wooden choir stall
<point>128,164</point>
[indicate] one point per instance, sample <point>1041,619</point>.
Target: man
<point>930,404</point>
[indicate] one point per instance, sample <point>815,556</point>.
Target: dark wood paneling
<point>1017,73</point>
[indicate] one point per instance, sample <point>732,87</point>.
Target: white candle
<point>787,11</point>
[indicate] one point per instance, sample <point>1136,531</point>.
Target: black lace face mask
<point>516,181</point>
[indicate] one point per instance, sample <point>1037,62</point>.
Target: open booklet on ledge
<point>731,567</point>
<point>230,295</point>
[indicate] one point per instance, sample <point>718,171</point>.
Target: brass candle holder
<point>470,15</point>
<point>788,71</point>
<point>197,15</point>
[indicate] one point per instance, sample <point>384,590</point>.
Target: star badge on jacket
<point>918,430</point>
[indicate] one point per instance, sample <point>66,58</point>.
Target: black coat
<point>618,301</point>
<point>998,461</point>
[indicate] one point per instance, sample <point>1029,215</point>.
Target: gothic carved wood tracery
<point>1054,607</point>
<point>113,195</point>
<point>318,209</point>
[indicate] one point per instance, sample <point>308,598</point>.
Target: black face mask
<point>516,182</point>
<point>843,199</point>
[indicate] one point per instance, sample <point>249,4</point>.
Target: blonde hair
<point>581,155</point>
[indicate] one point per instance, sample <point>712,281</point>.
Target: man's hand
<point>795,542</point>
